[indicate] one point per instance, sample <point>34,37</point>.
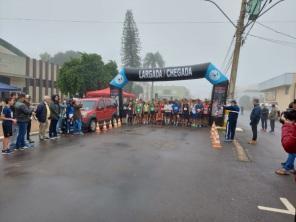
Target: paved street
<point>143,174</point>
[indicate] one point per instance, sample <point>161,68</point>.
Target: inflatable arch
<point>205,70</point>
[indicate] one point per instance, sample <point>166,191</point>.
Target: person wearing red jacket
<point>289,140</point>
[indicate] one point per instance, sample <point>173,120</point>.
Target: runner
<point>146,109</point>
<point>152,112</point>
<point>130,113</point>
<point>186,113</point>
<point>139,112</point>
<point>167,110</point>
<point>193,113</point>
<point>176,111</point>
<point>199,112</point>
<point>159,114</point>
<point>206,112</point>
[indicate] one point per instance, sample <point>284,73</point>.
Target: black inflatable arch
<point>205,70</point>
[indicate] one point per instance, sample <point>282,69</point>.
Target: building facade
<point>280,90</point>
<point>34,77</point>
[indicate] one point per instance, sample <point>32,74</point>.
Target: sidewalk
<point>34,128</point>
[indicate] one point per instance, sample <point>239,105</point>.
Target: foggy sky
<point>162,26</point>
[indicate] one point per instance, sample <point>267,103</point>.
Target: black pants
<point>254,131</point>
<point>230,130</point>
<point>53,128</point>
<point>29,130</point>
<point>264,123</point>
<point>272,125</point>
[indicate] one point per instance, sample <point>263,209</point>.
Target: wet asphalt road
<point>141,174</point>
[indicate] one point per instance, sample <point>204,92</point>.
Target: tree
<point>130,51</point>
<point>61,57</point>
<point>89,72</point>
<point>45,57</point>
<point>153,60</point>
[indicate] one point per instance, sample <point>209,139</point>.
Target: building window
<point>287,90</point>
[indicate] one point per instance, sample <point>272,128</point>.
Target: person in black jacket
<point>255,119</point>
<point>54,116</point>
<point>28,104</point>
<point>264,117</point>
<point>22,115</point>
<point>232,121</point>
<point>43,115</point>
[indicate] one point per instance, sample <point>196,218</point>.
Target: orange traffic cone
<point>98,129</point>
<point>110,125</point>
<point>104,126</point>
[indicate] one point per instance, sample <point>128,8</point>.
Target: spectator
<point>8,121</point>
<point>77,118</point>
<point>232,121</point>
<point>272,117</point>
<point>264,117</point>
<point>289,140</point>
<point>28,104</point>
<point>255,118</point>
<point>55,111</point>
<point>69,116</point>
<point>13,138</point>
<point>22,115</point>
<point>43,114</point>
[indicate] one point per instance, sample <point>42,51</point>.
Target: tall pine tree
<point>130,51</point>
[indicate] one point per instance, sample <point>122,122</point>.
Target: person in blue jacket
<point>255,119</point>
<point>232,121</point>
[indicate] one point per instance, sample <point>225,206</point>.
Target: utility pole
<point>238,43</point>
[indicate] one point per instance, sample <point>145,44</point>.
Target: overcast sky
<point>174,28</point>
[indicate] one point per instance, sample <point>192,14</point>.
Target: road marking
<point>290,208</point>
<point>240,151</point>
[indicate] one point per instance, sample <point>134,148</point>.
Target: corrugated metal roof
<point>285,79</point>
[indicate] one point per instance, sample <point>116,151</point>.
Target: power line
<point>276,31</point>
<point>228,51</point>
<point>276,41</point>
<point>139,22</point>
<point>229,63</point>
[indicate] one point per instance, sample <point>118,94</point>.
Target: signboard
<point>219,96</point>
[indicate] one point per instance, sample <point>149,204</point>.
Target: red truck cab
<point>97,110</point>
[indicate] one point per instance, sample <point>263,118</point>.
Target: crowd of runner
<point>189,113</point>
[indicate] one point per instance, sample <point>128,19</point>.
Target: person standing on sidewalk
<point>272,118</point>
<point>232,121</point>
<point>13,138</point>
<point>22,115</point>
<point>255,119</point>
<point>43,114</point>
<point>28,104</point>
<point>288,140</point>
<point>264,117</point>
<point>7,123</point>
<point>55,110</point>
<point>77,118</point>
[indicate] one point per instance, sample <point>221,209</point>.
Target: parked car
<point>97,111</point>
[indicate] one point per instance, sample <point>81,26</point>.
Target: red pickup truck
<point>97,110</point>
